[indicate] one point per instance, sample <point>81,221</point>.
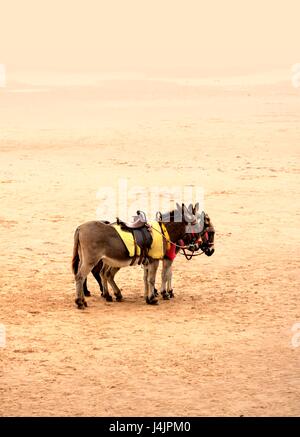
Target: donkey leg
<point>96,273</point>
<point>152,269</point>
<point>146,285</point>
<point>86,292</point>
<point>104,277</point>
<point>169,284</point>
<point>80,277</point>
<point>165,274</point>
<point>111,279</point>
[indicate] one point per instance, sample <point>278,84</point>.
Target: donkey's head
<point>207,236</point>
<point>196,229</point>
<point>181,221</point>
<point>200,230</point>
<point>190,215</point>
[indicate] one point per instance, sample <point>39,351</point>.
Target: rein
<point>189,256</point>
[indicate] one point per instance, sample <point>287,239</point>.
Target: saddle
<point>142,236</point>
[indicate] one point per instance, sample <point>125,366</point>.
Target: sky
<point>178,37</point>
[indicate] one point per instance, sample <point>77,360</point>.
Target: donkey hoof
<point>87,293</point>
<point>152,300</point>
<point>171,294</point>
<point>165,295</point>
<point>119,298</point>
<point>108,298</point>
<point>80,304</point>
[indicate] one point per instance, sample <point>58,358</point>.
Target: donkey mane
<point>176,215</point>
<point>171,215</point>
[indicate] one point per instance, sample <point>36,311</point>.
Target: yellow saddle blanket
<point>156,250</point>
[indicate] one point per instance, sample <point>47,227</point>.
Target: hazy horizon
<point>170,38</point>
<point>42,80</point>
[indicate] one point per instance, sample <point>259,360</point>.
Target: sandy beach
<point>223,346</point>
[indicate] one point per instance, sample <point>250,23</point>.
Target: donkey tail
<point>75,259</point>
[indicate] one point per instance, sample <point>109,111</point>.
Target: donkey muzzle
<point>209,251</point>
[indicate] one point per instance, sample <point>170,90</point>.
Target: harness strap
<point>166,235</point>
<point>133,260</point>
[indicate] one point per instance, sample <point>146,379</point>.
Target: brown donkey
<point>205,243</point>
<point>193,241</point>
<point>96,241</point>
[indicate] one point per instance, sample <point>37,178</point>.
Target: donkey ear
<point>186,212</point>
<point>196,208</point>
<point>190,208</point>
<point>202,219</point>
<point>181,209</point>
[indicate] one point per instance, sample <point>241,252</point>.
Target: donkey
<point>103,273</point>
<point>107,273</point>
<point>193,242</point>
<point>96,241</point>
<point>206,244</point>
